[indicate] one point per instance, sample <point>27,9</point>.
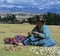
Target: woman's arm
<point>33,30</point>
<point>46,32</point>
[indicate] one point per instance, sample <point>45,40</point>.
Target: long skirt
<point>45,42</point>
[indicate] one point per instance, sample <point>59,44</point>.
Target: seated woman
<point>40,35</point>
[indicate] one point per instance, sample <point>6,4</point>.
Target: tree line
<point>9,19</point>
<point>51,19</point>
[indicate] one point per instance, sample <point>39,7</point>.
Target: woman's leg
<point>26,41</point>
<point>47,42</point>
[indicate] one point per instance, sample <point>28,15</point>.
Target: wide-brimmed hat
<point>39,18</point>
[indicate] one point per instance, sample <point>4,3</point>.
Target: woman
<point>40,35</point>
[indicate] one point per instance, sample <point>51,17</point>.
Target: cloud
<point>20,1</point>
<point>41,4</point>
<point>11,6</point>
<point>1,0</point>
<point>7,6</point>
<point>20,7</point>
<point>49,4</point>
<point>10,1</point>
<point>35,4</point>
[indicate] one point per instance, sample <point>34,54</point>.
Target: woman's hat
<point>39,18</point>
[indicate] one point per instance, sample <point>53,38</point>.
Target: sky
<point>41,4</point>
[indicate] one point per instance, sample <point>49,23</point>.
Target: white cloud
<point>58,2</point>
<point>11,6</point>
<point>35,4</point>
<point>48,4</point>
<point>20,7</point>
<point>41,4</point>
<point>1,0</point>
<point>20,1</point>
<point>10,1</point>
<point>41,8</point>
<point>7,6</point>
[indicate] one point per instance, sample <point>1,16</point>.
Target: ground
<point>10,30</point>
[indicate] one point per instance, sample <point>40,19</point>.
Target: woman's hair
<point>39,18</point>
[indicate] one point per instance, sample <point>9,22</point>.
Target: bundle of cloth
<point>15,40</point>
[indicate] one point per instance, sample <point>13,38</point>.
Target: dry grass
<point>10,30</point>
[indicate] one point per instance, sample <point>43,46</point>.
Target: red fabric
<point>22,38</point>
<point>11,39</point>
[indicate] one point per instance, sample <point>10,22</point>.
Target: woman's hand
<point>36,33</point>
<point>20,44</point>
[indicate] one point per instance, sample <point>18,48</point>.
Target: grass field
<point>10,30</point>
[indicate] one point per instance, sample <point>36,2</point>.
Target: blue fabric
<point>43,40</point>
<point>17,37</point>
